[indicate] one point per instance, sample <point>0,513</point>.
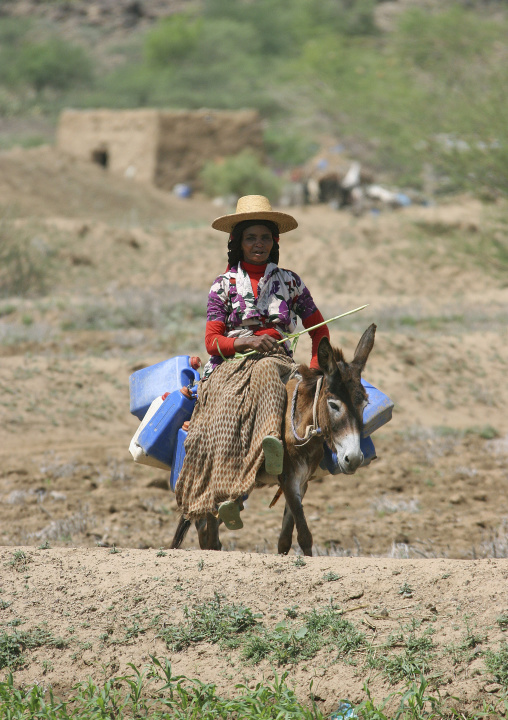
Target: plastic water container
<point>178,458</point>
<point>331,465</point>
<point>158,438</point>
<point>345,711</point>
<point>137,452</point>
<point>377,412</point>
<point>167,376</point>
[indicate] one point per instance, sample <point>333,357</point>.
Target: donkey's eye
<point>334,405</point>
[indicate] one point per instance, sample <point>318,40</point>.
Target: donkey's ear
<point>364,347</point>
<point>325,356</point>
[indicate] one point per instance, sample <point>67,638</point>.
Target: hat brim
<point>284,221</point>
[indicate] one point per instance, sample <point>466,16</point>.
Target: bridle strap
<point>313,430</point>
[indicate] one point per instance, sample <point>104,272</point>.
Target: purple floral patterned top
<point>282,299</point>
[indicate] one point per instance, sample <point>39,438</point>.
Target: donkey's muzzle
<point>351,461</point>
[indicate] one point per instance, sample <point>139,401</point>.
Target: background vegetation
<point>423,98</point>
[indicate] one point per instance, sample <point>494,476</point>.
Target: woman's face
<point>257,243</point>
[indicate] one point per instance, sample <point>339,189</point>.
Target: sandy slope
<point>93,599</point>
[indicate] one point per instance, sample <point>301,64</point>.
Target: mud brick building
<point>159,147</point>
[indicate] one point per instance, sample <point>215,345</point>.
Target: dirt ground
<point>114,277</point>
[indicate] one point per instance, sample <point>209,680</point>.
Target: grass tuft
<point>26,262</point>
<point>213,621</point>
<point>13,645</point>
<point>497,664</point>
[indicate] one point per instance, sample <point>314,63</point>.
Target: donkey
<point>324,405</point>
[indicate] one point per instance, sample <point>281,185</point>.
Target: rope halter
<point>313,430</point>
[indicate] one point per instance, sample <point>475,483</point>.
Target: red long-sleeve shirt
<point>215,329</point>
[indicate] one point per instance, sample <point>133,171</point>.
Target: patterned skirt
<point>238,405</point>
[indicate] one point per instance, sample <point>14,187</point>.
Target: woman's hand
<point>260,343</point>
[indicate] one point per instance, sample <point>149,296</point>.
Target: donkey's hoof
<point>274,455</point>
<point>229,513</point>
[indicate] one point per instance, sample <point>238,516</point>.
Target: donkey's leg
<point>288,525</point>
<point>180,533</point>
<point>294,489</point>
<point>208,533</point>
<point>286,533</point>
<point>212,526</point>
<point>201,527</point>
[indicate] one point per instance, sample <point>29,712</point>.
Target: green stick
<point>238,356</point>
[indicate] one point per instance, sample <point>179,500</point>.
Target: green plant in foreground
<point>406,590</point>
<point>497,664</point>
<point>158,694</point>
<point>212,621</point>
<point>330,576</point>
<point>502,621</point>
<point>285,643</point>
<point>415,704</point>
<point>19,560</point>
<point>413,661</point>
<point>13,645</point>
<point>288,643</point>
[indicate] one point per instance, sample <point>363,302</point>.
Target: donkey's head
<point>341,411</point>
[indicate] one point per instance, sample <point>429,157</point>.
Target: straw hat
<point>255,207</point>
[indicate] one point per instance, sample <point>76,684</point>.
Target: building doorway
<point>100,157</point>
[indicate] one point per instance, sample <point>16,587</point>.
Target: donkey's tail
<point>180,533</point>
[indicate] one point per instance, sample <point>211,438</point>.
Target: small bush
<point>53,63</point>
<point>241,174</point>
<point>497,664</point>
<point>173,39</point>
<point>13,645</point>
<point>28,60</point>
<point>288,148</point>
<point>212,621</point>
<point>26,264</point>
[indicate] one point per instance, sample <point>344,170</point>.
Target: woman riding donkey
<point>235,430</point>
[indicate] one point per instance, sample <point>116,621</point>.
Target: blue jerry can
<point>377,412</point>
<point>158,439</point>
<point>178,458</point>
<point>153,381</point>
<point>329,461</point>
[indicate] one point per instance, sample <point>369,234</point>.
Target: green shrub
<point>29,58</point>
<point>444,42</point>
<point>241,174</point>
<point>461,61</point>
<point>287,147</point>
<point>213,621</point>
<point>53,63</point>
<point>497,664</point>
<point>154,692</point>
<point>174,38</point>
<point>283,26</point>
<point>14,644</point>
<point>427,93</point>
